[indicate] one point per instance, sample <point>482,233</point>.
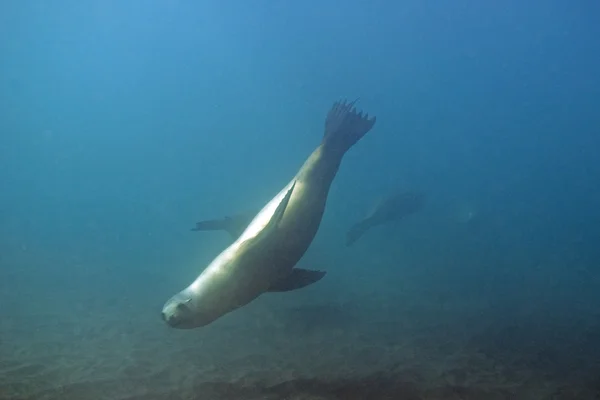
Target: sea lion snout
<point>172,320</point>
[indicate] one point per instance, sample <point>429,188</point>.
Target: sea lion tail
<point>344,126</point>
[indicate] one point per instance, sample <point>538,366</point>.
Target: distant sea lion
<point>262,259</point>
<point>390,209</point>
<point>234,225</point>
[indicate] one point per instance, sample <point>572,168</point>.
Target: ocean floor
<point>111,344</point>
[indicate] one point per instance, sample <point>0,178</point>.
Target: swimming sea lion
<point>262,259</point>
<point>234,225</point>
<point>390,209</point>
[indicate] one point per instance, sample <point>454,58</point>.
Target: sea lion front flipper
<point>297,279</point>
<point>254,243</point>
<point>233,225</point>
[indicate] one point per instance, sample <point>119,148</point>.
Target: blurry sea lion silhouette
<point>234,225</point>
<point>391,208</point>
<point>264,257</point>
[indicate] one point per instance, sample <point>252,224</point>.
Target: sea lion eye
<point>184,306</point>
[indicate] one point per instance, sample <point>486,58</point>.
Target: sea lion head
<point>182,312</point>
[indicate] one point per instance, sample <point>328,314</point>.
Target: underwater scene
<point>332,200</point>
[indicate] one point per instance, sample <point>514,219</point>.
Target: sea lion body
<point>263,257</point>
<point>392,208</point>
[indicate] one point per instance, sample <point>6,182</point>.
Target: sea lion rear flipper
<point>233,225</point>
<point>344,126</point>
<point>297,279</point>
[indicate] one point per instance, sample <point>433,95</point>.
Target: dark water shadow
<point>557,348</point>
<point>372,387</point>
<point>380,386</point>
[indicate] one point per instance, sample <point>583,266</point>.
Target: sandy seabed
<point>108,344</point>
<point>259,355</point>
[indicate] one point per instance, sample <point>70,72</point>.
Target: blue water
<point>123,123</point>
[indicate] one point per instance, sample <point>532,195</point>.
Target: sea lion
<point>390,209</point>
<point>262,259</point>
<point>234,225</point>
